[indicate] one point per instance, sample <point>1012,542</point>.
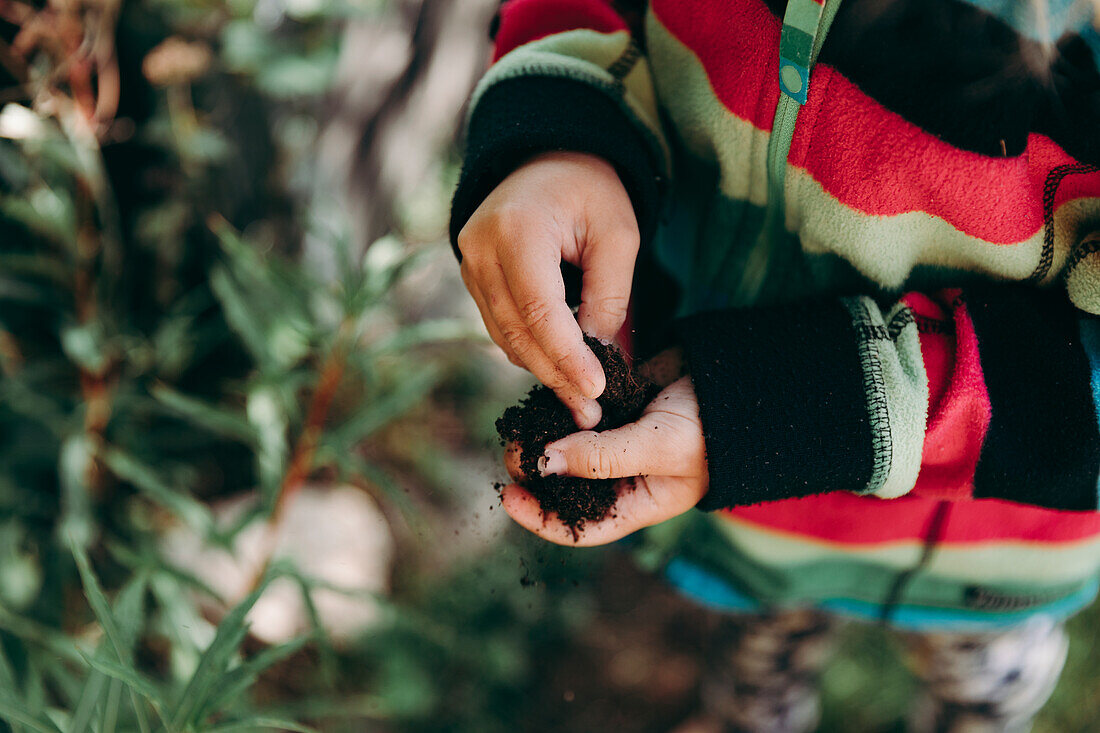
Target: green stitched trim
<point>583,55</point>
<point>828,14</point>
<point>779,148</point>
<point>874,386</point>
<point>610,86</point>
<point>773,228</point>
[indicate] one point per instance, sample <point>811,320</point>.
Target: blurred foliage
<point>160,345</point>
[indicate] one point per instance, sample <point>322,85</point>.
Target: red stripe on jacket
<point>869,158</point>
<point>523,21</point>
<point>845,518</point>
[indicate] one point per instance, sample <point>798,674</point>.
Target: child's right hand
<point>558,206</point>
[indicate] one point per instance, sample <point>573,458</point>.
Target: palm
<point>661,460</point>
<point>652,500</point>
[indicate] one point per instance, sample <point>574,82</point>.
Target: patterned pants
<point>764,670</point>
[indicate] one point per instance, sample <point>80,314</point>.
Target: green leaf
<point>94,691</point>
<point>352,465</point>
<point>265,301</point>
<point>214,662</point>
<point>34,688</point>
<point>44,212</point>
<point>205,145</point>
<point>18,395</point>
<point>13,712</point>
<point>245,48</point>
<point>129,677</point>
<point>84,344</point>
<point>7,676</point>
<point>130,608</point>
<point>63,679</point>
<point>278,288</point>
<point>180,503</point>
<point>386,260</point>
<point>103,614</point>
<point>20,574</point>
<point>154,563</point>
<point>38,264</point>
<point>176,340</point>
<point>108,722</point>
<point>261,723</point>
<point>76,525</point>
<point>242,677</point>
<point>290,76</point>
<point>218,420</point>
<point>268,418</point>
<point>427,332</point>
<point>27,293</point>
<point>31,631</point>
<point>242,320</point>
<point>324,643</point>
<point>375,414</point>
<point>7,682</point>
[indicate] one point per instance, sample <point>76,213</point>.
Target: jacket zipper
<point>805,25</point>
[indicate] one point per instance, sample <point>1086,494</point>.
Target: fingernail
<point>591,414</point>
<point>590,389</point>
<point>552,462</point>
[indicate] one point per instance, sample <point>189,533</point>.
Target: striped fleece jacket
<point>890,326</point>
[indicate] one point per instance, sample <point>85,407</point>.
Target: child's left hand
<point>664,450</point>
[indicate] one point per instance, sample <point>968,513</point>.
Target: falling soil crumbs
<point>540,419</point>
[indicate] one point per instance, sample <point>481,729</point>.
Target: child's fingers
<point>643,502</point>
<point>586,411</point>
<point>661,443</point>
<point>487,319</point>
<point>583,416</point>
<point>608,267</point>
<point>535,282</point>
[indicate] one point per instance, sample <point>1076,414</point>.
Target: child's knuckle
<point>600,461</point>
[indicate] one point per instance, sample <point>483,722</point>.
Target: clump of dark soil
<point>540,419</point>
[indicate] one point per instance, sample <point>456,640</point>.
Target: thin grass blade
<point>214,662</point>
<point>130,677</point>
<point>244,676</point>
<point>216,419</point>
<point>384,408</point>
<point>180,503</point>
<point>106,619</point>
<point>94,691</point>
<point>108,722</point>
<point>14,713</point>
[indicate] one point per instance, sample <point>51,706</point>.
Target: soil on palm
<point>541,418</point>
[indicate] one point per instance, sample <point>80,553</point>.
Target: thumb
<point>607,262</point>
<point>659,444</point>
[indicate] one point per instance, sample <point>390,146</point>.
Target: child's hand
<point>664,449</point>
<point>559,206</point>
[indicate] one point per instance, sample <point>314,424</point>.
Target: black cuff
<point>1042,446</point>
<point>518,118</point>
<point>782,402</point>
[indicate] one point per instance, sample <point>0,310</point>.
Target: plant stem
<point>301,461</point>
